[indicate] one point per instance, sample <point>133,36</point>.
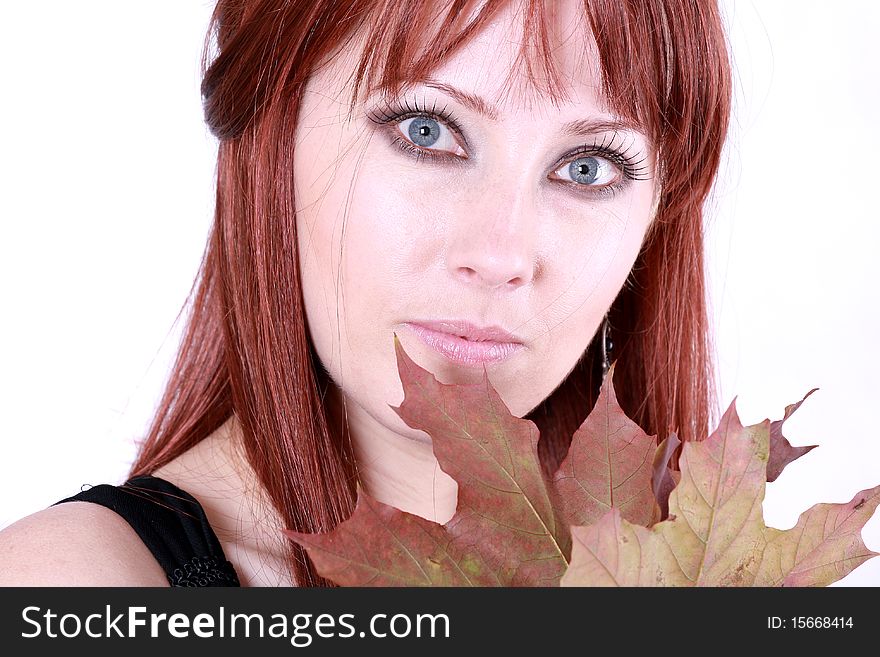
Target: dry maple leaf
<point>781,451</point>
<point>715,534</point>
<point>512,525</point>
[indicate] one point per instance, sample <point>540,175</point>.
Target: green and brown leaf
<point>613,514</point>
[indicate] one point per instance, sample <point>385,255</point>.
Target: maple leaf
<point>513,526</point>
<point>715,534</point>
<point>384,546</point>
<point>610,463</point>
<point>781,451</point>
<point>663,479</point>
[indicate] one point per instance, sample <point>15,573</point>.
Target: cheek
<point>394,239</point>
<point>320,202</point>
<point>367,241</point>
<point>387,237</point>
<point>591,253</point>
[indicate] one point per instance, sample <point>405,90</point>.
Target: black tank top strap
<point>172,524</point>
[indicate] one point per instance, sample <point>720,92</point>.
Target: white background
<point>106,194</point>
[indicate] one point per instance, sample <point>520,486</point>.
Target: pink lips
<point>467,344</point>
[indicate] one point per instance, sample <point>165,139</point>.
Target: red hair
<point>246,349</point>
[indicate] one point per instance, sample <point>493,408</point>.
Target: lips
<point>464,343</point>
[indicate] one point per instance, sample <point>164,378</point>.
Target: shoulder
<point>76,544</point>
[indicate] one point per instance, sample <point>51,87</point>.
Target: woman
<point>499,184</point>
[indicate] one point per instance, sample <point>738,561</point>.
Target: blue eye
<point>590,170</point>
<point>431,135</point>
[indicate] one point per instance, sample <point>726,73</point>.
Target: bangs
<point>407,40</point>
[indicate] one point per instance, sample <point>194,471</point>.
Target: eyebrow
<point>576,128</point>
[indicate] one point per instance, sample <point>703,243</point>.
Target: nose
<point>494,239</point>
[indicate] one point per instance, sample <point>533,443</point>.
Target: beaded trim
<point>204,571</point>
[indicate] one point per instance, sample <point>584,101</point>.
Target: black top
<point>172,524</point>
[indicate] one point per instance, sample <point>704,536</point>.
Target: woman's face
<point>458,202</point>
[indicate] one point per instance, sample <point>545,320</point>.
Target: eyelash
<point>632,167</point>
<point>392,116</point>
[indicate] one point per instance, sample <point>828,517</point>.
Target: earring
<point>607,347</point>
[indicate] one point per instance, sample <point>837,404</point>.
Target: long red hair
<point>246,349</point>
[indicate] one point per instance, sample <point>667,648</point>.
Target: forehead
<point>518,59</point>
<point>511,66</point>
